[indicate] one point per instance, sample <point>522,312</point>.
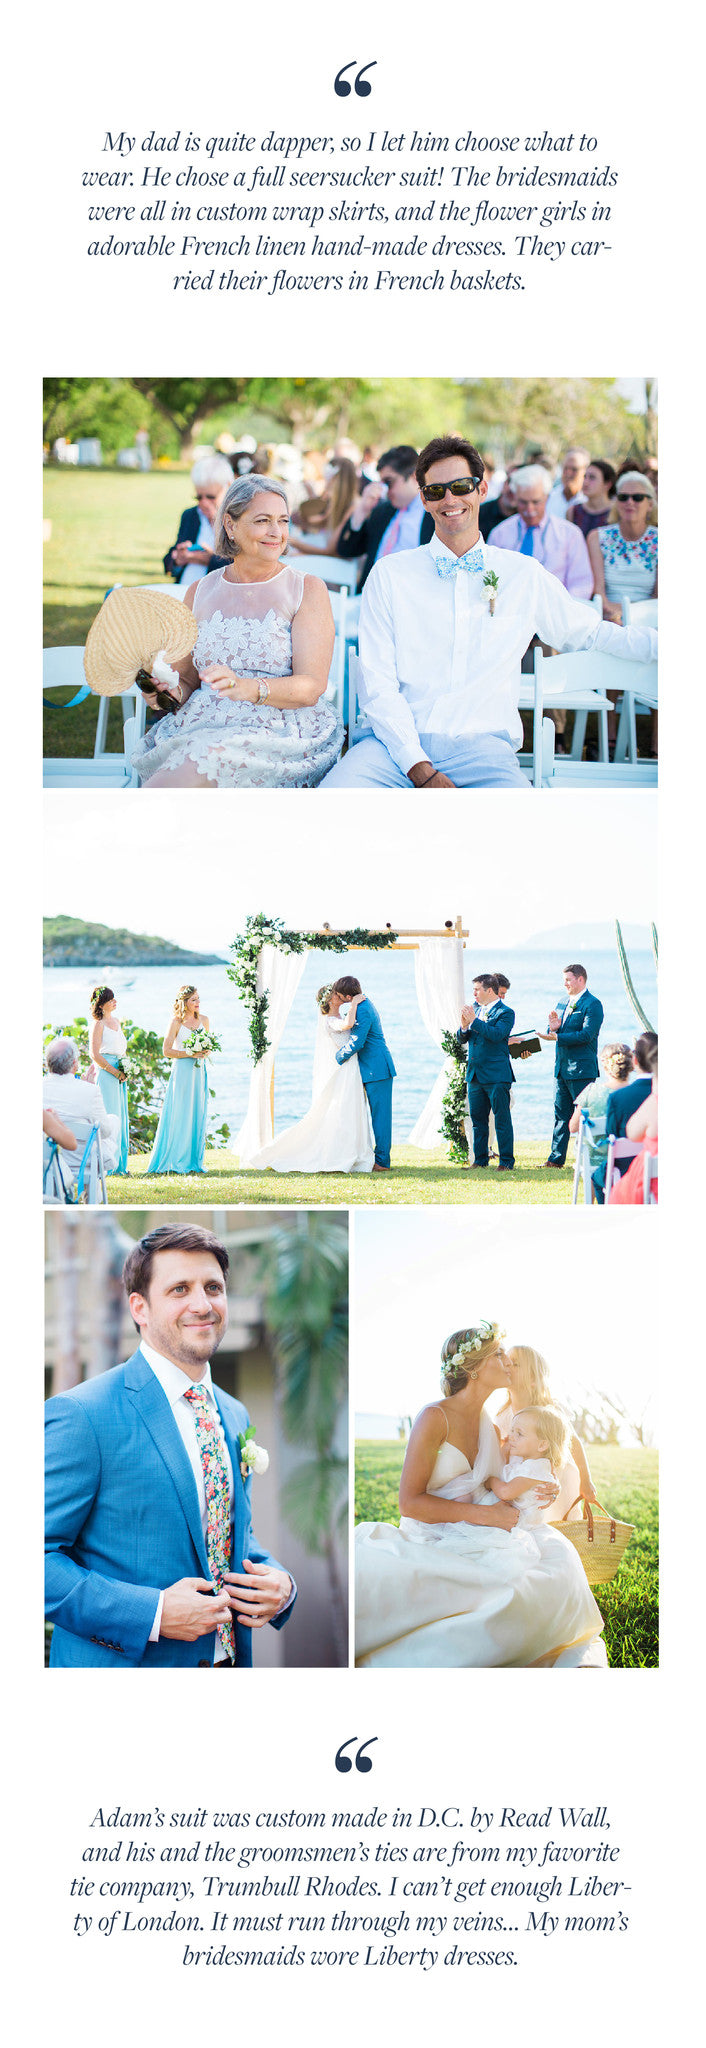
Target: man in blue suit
<point>377,1071</point>
<point>623,1102</point>
<point>151,1557</point>
<point>485,1030</point>
<point>574,1025</point>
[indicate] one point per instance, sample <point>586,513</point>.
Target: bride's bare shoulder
<point>430,1425</point>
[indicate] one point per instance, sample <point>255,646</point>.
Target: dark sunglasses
<point>632,497</point>
<point>460,488</point>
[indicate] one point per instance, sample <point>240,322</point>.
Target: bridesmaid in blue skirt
<point>181,1132</point>
<point>108,1044</point>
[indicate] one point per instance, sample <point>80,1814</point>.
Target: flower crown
<point>324,994</point>
<point>473,1341</point>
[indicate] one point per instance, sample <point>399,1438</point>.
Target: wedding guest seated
<point>194,550</point>
<point>569,487</point>
<point>624,1101</point>
<point>616,1061</point>
<point>641,1130</point>
<point>78,1099</point>
<point>595,506</point>
<point>624,558</point>
<point>534,530</point>
<point>441,650</point>
<point>316,527</point>
<point>381,525</point>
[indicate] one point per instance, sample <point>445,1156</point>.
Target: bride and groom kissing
<point>348,1128</point>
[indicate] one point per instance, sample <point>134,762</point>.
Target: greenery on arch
<point>269,931</point>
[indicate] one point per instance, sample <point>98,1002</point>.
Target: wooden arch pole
<point>405,942</point>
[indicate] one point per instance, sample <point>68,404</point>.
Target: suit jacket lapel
<point>143,1389</point>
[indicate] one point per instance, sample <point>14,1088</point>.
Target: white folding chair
<point>643,612</point>
<point>335,687</point>
<point>570,682</point>
<point>338,574</point>
<point>618,1148</point>
<point>582,1164</point>
<point>650,1175</point>
<point>358,726</point>
<point>86,1166</point>
<point>53,1186</point>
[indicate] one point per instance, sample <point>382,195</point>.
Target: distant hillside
<point>69,942</point>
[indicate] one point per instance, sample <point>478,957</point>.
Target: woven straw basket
<point>600,1544</point>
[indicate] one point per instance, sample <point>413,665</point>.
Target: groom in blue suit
<point>485,1030</point>
<point>574,1025</point>
<point>151,1557</point>
<point>377,1070</point>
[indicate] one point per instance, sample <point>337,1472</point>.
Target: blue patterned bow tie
<point>448,564</point>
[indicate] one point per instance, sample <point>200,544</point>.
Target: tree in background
<point>305,1268</point>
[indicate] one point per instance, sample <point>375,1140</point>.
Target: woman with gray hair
<point>194,552</point>
<point>248,702</point>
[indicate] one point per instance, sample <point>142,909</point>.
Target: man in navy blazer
<point>485,1030</point>
<point>372,517</point>
<point>377,1070</point>
<point>623,1102</point>
<point>574,1025</point>
<point>130,1490</point>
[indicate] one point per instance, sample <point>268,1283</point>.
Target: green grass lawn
<point>419,1179</point>
<point>626,1482</point>
<point>107,526</point>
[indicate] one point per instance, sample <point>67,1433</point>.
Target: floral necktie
<point>215,1476</point>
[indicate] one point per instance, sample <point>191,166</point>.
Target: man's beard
<point>178,1344</point>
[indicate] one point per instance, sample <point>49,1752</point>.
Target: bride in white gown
<point>459,1583</point>
<point>336,1135</point>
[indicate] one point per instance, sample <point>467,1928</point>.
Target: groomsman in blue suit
<point>485,1030</point>
<point>151,1557</point>
<point>575,1025</point>
<point>377,1071</point>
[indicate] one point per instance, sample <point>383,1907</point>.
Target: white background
<point>628,1739</point>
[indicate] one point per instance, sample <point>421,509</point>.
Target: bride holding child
<point>473,1576</point>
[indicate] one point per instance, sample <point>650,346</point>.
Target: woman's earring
<point>473,1375</point>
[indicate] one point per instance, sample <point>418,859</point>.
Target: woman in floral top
<point>623,558</point>
<point>624,555</point>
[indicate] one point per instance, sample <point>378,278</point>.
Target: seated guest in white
<point>568,490</point>
<point>533,530</point>
<point>72,1098</point>
<point>441,650</point>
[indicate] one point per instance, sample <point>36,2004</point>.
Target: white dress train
<point>336,1135</point>
<point>457,1594</point>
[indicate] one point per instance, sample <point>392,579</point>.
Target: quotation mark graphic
<point>362,86</point>
<point>362,1762</point>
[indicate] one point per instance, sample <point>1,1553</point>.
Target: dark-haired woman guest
<point>108,1046</point>
<point>598,489</point>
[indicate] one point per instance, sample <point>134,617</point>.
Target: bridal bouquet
<point>123,1065</point>
<point>202,1041</point>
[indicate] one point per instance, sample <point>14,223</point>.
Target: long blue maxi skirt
<point>115,1095</point>
<point>181,1132</point>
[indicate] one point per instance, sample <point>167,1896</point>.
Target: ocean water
<point>146,994</point>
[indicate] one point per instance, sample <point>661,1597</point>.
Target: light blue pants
<point>488,762</point>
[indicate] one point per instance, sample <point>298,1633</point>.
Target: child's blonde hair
<point>554,1429</point>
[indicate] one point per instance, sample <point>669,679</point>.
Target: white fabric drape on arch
<point>280,974</point>
<point>438,971</point>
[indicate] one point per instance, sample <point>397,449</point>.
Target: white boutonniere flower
<point>491,583</point>
<point>253,1456</point>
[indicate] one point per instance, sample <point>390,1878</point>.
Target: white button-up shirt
<point>434,661</point>
<point>175,1384</point>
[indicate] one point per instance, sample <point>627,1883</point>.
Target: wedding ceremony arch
<point>267,964</point>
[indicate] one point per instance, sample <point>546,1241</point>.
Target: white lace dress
<point>247,627</point>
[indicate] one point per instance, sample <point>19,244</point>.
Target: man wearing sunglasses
<point>441,645</point>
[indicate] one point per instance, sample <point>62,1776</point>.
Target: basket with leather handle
<point>600,1544</point>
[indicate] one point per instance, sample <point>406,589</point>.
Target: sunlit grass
<point>418,1179</point>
